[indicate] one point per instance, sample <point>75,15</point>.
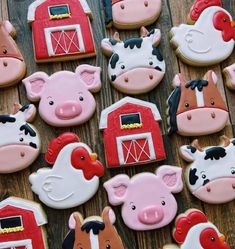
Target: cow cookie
<point>147,200</point>
<point>94,232</point>
<point>74,177</point>
<point>229,73</point>
<point>193,228</point>
<point>13,66</point>
<point>19,141</point>
<point>76,105</point>
<point>210,176</point>
<point>131,14</point>
<point>136,65</point>
<point>207,42</point>
<point>195,104</point>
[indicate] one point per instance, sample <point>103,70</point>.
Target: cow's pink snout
<point>68,110</point>
<point>151,215</point>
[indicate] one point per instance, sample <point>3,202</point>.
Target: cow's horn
<point>116,37</point>
<point>226,140</point>
<point>143,32</point>
<point>16,108</point>
<point>196,145</point>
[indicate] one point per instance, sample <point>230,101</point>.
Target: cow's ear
<point>211,76</point>
<point>75,220</point>
<point>90,77</point>
<point>107,46</point>
<point>108,216</point>
<point>171,177</point>
<point>178,80</point>
<point>9,28</point>
<point>35,84</point>
<point>28,111</point>
<point>155,36</point>
<point>187,152</point>
<point>117,188</point>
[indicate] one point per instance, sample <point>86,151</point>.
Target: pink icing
<point>68,110</point>
<point>151,215</point>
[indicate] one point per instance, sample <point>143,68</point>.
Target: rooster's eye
<point>212,239</point>
<point>82,158</point>
<point>224,20</point>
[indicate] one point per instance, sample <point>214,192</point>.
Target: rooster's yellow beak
<point>233,24</point>
<point>222,238</point>
<point>93,156</point>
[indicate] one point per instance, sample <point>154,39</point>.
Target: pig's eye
<point>51,102</point>
<point>81,98</point>
<point>4,51</point>
<point>163,203</point>
<point>133,207</point>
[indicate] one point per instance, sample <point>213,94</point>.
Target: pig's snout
<point>68,110</point>
<point>151,215</point>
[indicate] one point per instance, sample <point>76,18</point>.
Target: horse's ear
<point>178,80</point>
<point>211,77</point>
<point>108,216</point>
<point>75,220</point>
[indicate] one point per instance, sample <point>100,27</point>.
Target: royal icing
<point>94,232</point>
<point>61,30</point>
<point>229,73</point>
<point>13,67</point>
<point>19,140</point>
<point>147,200</point>
<point>209,41</point>
<point>131,133</point>
<point>76,105</point>
<point>136,65</point>
<point>195,104</point>
<point>74,177</point>
<point>193,228</point>
<point>21,224</point>
<point>210,176</point>
<point>131,14</point>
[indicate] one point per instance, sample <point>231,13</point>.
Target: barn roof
<point>39,214</point>
<point>105,112</point>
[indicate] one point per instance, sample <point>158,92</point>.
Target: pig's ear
<point>117,188</point>
<point>90,77</point>
<point>9,28</point>
<point>108,215</point>
<point>187,152</point>
<point>35,84</point>
<point>75,220</point>
<point>171,177</point>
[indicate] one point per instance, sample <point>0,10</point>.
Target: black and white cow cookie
<point>19,141</point>
<point>211,174</point>
<point>136,65</point>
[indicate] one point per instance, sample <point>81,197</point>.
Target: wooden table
<point>174,12</point>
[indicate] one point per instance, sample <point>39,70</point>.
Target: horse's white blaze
<point>94,239</point>
<point>200,98</point>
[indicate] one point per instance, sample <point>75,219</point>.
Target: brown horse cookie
<point>12,65</point>
<point>93,233</point>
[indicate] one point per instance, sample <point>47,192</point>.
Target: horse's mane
<point>94,225</point>
<point>199,84</point>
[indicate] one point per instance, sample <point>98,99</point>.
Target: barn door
<point>64,40</point>
<point>135,149</point>
<point>18,244</point>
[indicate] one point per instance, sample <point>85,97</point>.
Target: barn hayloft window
<point>131,121</point>
<point>59,11</point>
<point>11,224</point>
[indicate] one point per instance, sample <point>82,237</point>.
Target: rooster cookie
<point>229,73</point>
<point>210,176</point>
<point>74,177</point>
<point>136,65</point>
<point>94,232</point>
<point>193,228</point>
<point>209,41</point>
<point>195,104</point>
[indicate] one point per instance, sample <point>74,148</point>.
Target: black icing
<point>191,148</point>
<point>215,153</point>
<point>157,53</point>
<point>108,11</point>
<point>233,142</point>
<point>10,222</point>
<point>133,118</point>
<point>192,176</point>
<point>151,32</point>
<point>96,226</point>
<point>7,119</point>
<point>59,10</point>
<point>197,83</point>
<point>158,68</point>
<point>33,145</point>
<point>113,77</point>
<point>69,240</point>
<point>23,108</point>
<point>28,130</point>
<point>113,42</point>
<point>132,42</point>
<point>206,181</point>
<point>113,61</point>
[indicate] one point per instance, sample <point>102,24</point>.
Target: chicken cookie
<point>74,177</point>
<point>229,73</point>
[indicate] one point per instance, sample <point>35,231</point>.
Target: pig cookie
<point>74,177</point>
<point>193,228</point>
<point>210,176</point>
<point>19,141</point>
<point>131,14</point>
<point>229,73</point>
<point>22,224</point>
<point>141,209</point>
<point>195,104</point>
<point>136,65</point>
<point>93,232</point>
<point>12,65</point>
<point>76,105</point>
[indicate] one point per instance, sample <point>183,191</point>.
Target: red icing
<point>57,144</point>
<point>209,240</point>
<point>200,5</point>
<point>81,159</point>
<point>185,223</point>
<point>223,23</point>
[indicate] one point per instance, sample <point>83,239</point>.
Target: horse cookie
<point>195,104</point>
<point>229,73</point>
<point>210,176</point>
<point>93,233</point>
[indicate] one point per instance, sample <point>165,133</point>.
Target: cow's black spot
<point>33,145</point>
<point>132,42</point>
<point>157,53</point>
<point>113,77</point>
<point>23,108</point>
<point>215,153</point>
<point>192,176</point>
<point>28,130</point>
<point>96,226</point>
<point>113,42</point>
<point>197,83</point>
<point>151,32</point>
<point>158,68</point>
<point>206,181</point>
<point>69,240</point>
<point>233,142</point>
<point>191,148</point>
<point>113,61</point>
<point>7,119</point>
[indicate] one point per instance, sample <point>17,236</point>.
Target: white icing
<point>199,98</point>
<point>27,243</point>
<point>94,239</point>
<point>85,6</point>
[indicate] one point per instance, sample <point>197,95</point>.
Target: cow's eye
<point>122,67</point>
<point>21,139</point>
<point>233,171</point>
<point>203,176</point>
<point>163,203</point>
<point>150,63</point>
<point>4,51</point>
<point>51,102</point>
<point>81,98</point>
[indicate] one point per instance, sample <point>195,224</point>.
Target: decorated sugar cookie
<point>131,133</point>
<point>13,66</point>
<point>136,65</point>
<point>131,14</point>
<point>229,73</point>
<point>93,233</point>
<point>19,141</point>
<point>22,224</point>
<point>196,107</point>
<point>147,199</point>
<point>74,177</point>
<point>193,228</point>
<point>65,98</point>
<point>210,176</point>
<point>209,41</point>
<point>61,30</point>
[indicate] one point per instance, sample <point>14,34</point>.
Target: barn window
<point>11,224</point>
<point>59,11</point>
<point>131,121</point>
